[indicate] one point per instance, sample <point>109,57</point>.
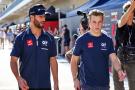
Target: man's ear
<point>31,17</point>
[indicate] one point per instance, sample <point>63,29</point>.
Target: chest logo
<point>45,43</point>
<point>103,46</point>
<point>29,42</point>
<point>90,45</point>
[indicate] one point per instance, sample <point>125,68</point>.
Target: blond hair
<point>96,12</point>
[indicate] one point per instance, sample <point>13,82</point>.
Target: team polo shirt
<point>94,53</point>
<point>34,57</point>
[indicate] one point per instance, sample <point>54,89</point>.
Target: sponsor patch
<point>29,42</point>
<point>90,45</point>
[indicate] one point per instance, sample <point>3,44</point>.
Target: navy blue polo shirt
<point>34,57</point>
<point>94,62</point>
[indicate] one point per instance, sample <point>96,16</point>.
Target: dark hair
<point>65,25</point>
<point>75,36</point>
<point>84,20</point>
<point>84,23</point>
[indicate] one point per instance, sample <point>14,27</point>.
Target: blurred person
<point>68,54</point>
<point>73,39</point>
<point>36,52</point>
<point>66,38</point>
<point>125,46</point>
<point>10,36</point>
<point>83,28</point>
<point>56,33</point>
<point>94,49</point>
<point>23,28</point>
<point>2,37</point>
<point>50,30</point>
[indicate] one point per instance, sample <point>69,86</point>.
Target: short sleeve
<point>53,51</point>
<point>111,46</point>
<point>17,47</point>
<point>78,47</point>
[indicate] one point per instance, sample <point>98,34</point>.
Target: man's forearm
<point>117,65</point>
<point>116,62</point>
<point>14,67</point>
<point>54,69</point>
<point>125,17</point>
<point>74,67</point>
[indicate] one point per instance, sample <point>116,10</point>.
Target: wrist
<point>56,84</point>
<point>75,78</point>
<point>119,70</point>
<point>18,77</point>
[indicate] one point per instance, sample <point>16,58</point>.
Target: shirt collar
<point>30,32</point>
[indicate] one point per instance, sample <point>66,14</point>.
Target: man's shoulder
<point>106,37</point>
<point>82,37</point>
<point>50,36</point>
<point>85,35</point>
<point>21,35</point>
<point>47,34</point>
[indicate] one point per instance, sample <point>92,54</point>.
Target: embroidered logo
<point>29,42</point>
<point>90,45</point>
<point>103,46</point>
<point>45,43</point>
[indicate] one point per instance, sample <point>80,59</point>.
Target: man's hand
<point>77,84</point>
<point>121,75</point>
<point>23,84</point>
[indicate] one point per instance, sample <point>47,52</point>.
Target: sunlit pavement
<point>8,81</point>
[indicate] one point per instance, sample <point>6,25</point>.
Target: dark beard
<point>37,23</point>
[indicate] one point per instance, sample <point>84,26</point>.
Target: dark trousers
<point>130,70</point>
